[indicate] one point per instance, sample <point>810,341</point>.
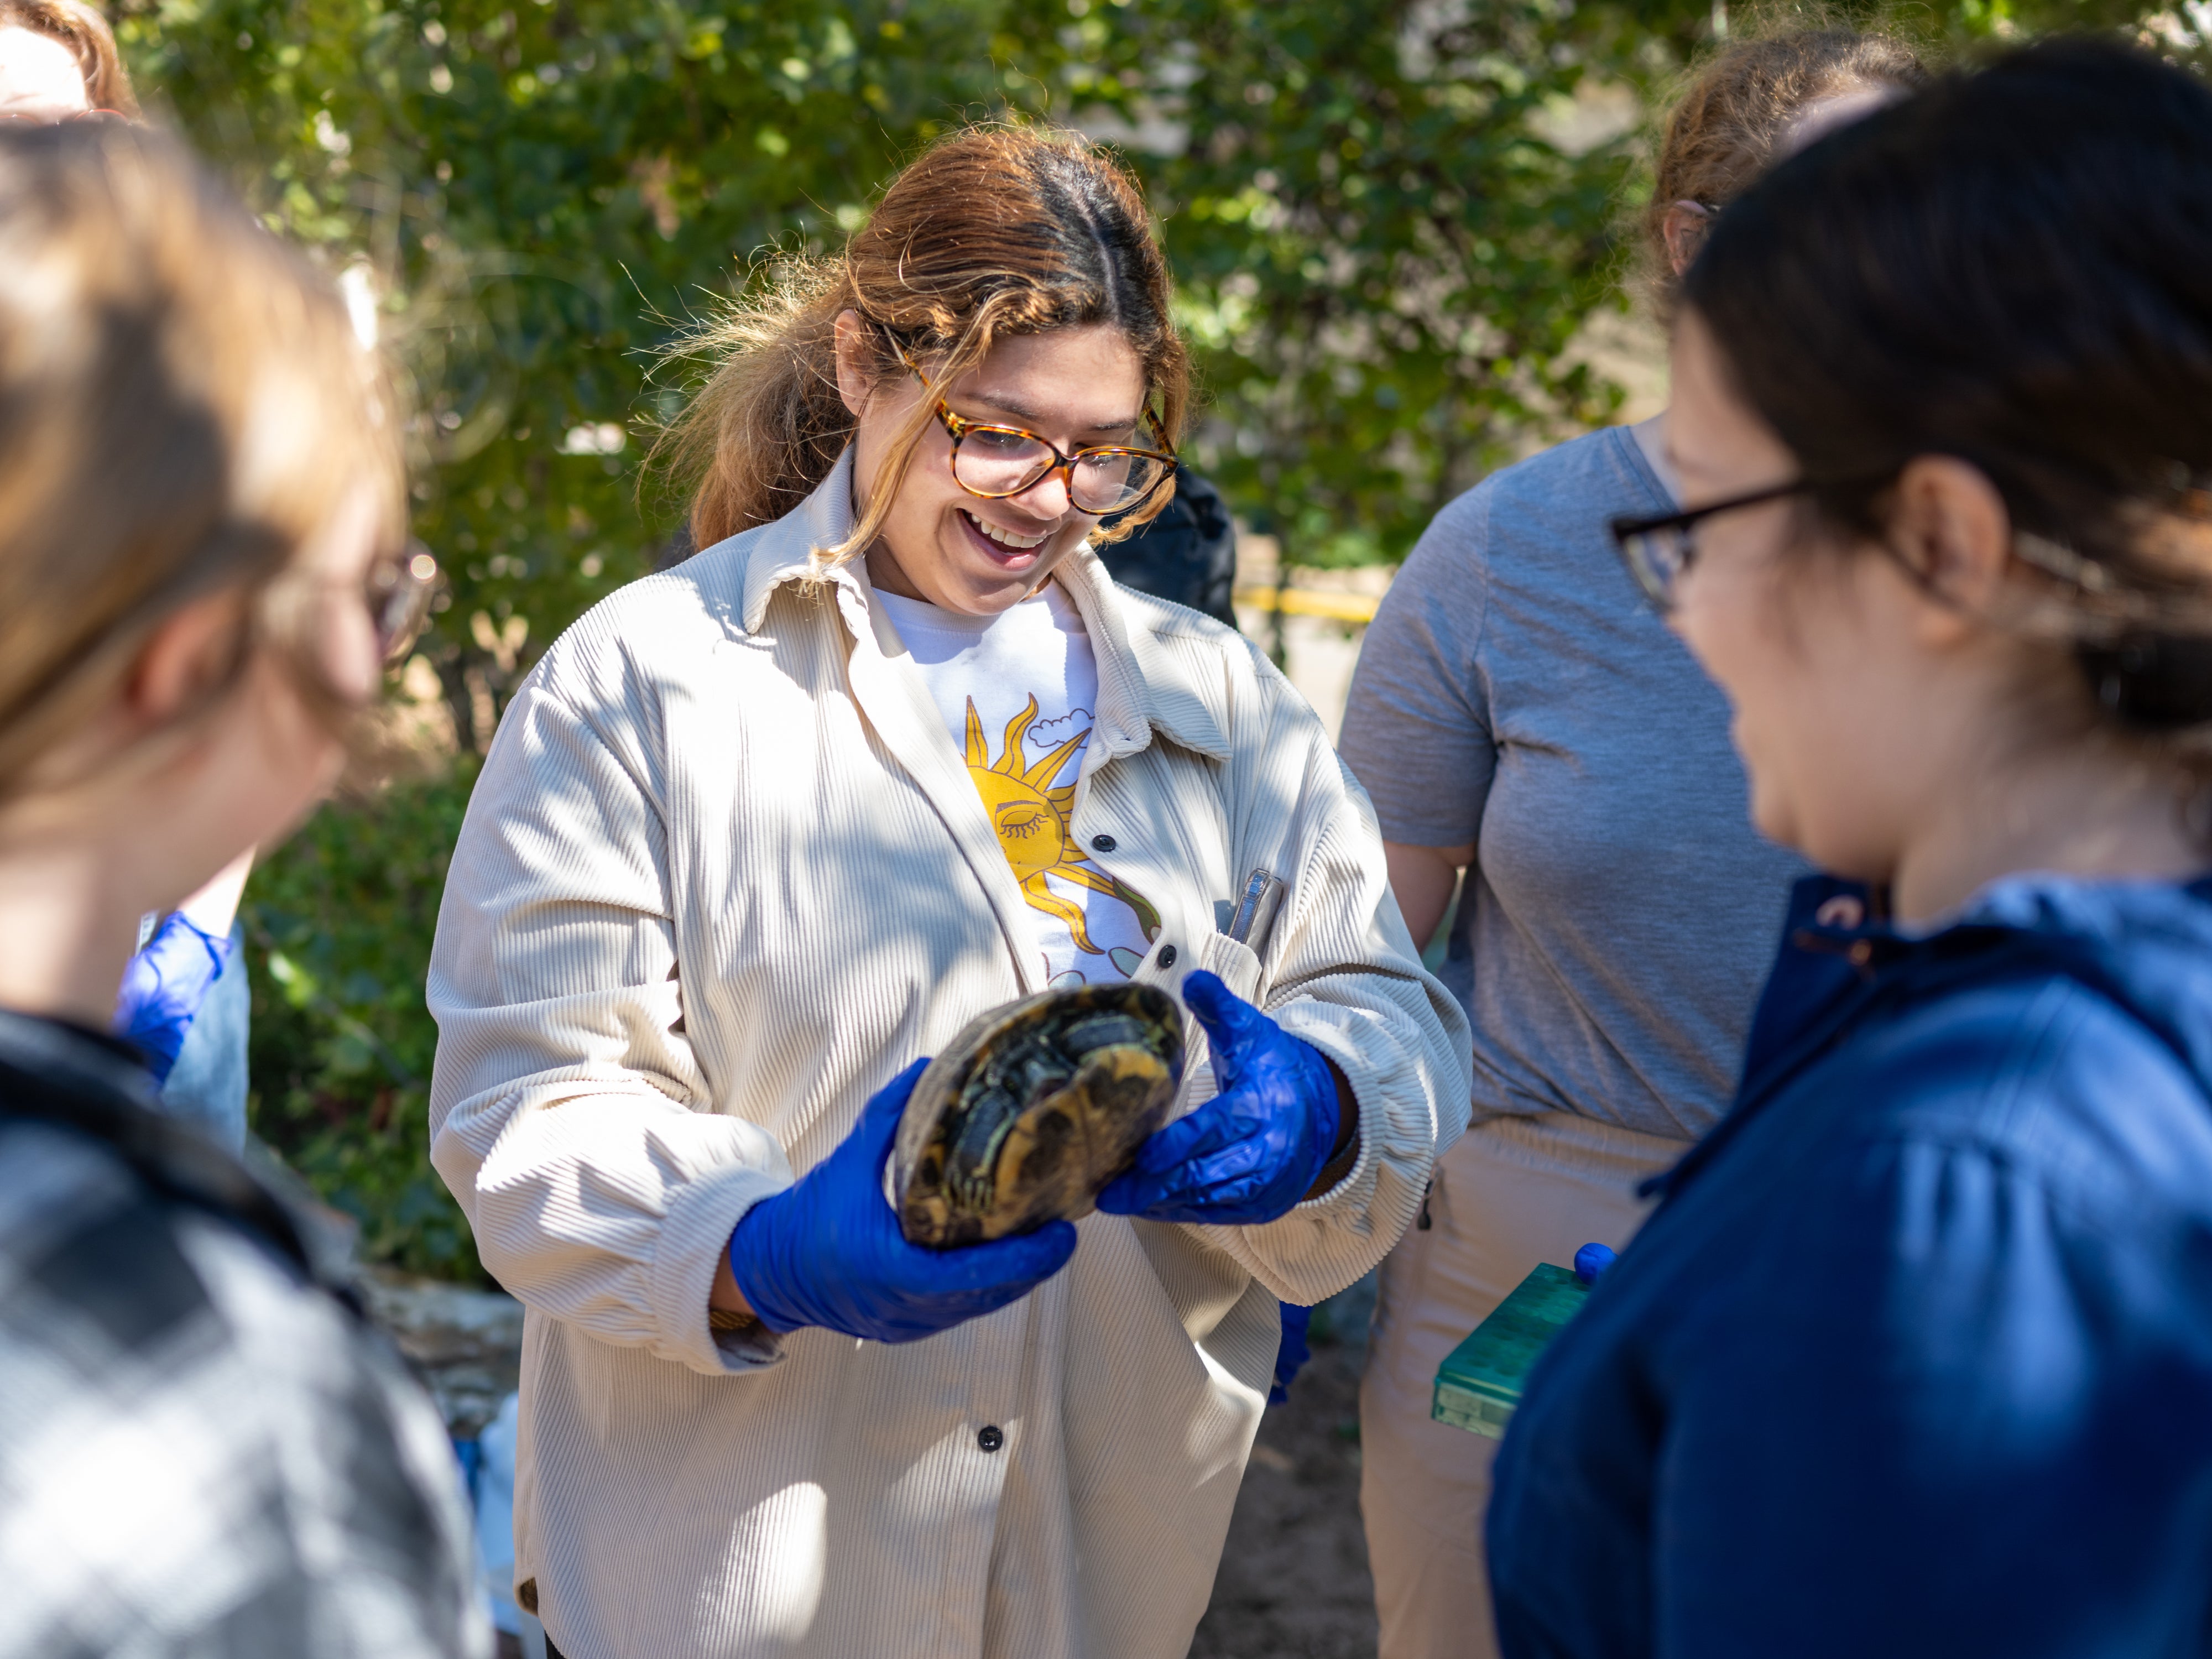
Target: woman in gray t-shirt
<point>1519,714</point>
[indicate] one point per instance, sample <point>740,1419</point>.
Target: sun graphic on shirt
<point>1030,816</point>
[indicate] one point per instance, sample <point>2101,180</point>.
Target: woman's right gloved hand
<point>828,1251</point>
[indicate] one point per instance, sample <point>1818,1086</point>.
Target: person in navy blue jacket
<point>1915,1357</point>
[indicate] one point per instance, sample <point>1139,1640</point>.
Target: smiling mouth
<point>1005,543</point>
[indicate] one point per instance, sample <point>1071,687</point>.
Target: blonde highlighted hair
<point>993,231</point>
<point>183,405</point>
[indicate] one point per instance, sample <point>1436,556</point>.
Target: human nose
<point>1049,497</point>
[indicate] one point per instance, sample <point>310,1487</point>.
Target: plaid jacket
<point>202,1452</point>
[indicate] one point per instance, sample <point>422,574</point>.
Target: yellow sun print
<point>1030,816</point>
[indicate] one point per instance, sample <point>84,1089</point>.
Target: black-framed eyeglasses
<point>1657,551</point>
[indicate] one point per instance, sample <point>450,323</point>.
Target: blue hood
<point>2145,944</point>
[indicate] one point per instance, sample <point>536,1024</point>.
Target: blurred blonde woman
<point>185,1003</point>
<point>202,558</point>
<point>761,831</point>
<point>1520,720</point>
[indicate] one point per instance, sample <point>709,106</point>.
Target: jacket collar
<point>1143,688</point>
<point>1824,976</point>
<point>782,553</point>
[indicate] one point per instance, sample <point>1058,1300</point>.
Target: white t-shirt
<point>1016,691</point>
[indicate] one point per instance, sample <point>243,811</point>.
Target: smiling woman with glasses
<point>761,832</point>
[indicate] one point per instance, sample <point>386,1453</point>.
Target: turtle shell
<point>1032,1108</point>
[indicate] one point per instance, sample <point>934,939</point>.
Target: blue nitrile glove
<point>1292,1354</point>
<point>163,987</point>
<point>1251,1153</point>
<point>828,1251</point>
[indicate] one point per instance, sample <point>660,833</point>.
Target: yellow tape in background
<point>1305,602</point>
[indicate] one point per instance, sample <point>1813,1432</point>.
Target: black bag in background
<point>1187,555</point>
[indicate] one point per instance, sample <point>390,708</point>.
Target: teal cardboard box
<point>1479,1383</point>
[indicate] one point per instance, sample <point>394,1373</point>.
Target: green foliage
<point>528,192</point>
<point>339,923</point>
<point>1385,244</point>
<point>1390,220</point>
<point>1391,223</point>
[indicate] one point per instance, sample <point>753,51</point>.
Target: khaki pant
<point>1514,1192</point>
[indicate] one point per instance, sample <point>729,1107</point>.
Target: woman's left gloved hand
<point>1252,1152</point>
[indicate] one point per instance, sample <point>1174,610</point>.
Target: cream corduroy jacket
<point>723,876</point>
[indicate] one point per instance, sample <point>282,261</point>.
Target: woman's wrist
<point>1345,1152</point>
<point>726,1298</point>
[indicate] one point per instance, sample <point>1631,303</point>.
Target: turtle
<point>1032,1108</point>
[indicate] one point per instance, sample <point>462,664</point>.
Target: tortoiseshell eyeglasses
<point>995,462</point>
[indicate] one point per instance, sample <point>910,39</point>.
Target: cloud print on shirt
<point>1050,734</point>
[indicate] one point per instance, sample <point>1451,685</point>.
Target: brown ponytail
<point>994,231</point>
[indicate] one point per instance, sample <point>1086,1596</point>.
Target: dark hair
<point>2013,267</point>
<point>1731,120</point>
<point>993,231</point>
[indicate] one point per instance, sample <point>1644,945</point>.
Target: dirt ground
<point>1293,1582</point>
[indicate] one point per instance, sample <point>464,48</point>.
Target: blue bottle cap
<point>1592,1260</point>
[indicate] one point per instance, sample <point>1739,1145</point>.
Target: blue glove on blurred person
<point>1291,1352</point>
<point>828,1251</point>
<point>1253,1151</point>
<point>163,987</point>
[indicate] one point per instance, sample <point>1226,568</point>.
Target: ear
<point>189,655</point>
<point>1684,228</point>
<point>1949,523</point>
<point>856,380</point>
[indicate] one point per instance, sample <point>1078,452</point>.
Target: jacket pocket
<point>1236,964</point>
<point>1169,962</point>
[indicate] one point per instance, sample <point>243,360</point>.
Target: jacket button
<point>1167,956</point>
<point>990,1436</point>
<point>1841,911</point>
<point>1104,843</point>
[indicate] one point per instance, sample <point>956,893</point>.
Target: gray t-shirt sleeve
<point>1417,731</point>
<point>1517,694</point>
